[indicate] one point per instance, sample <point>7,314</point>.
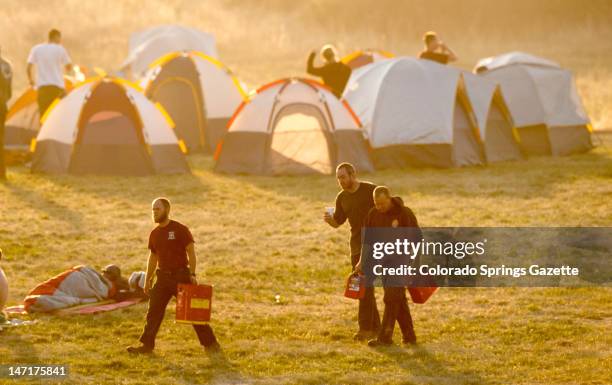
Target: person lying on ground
<point>123,289</point>
<point>77,286</point>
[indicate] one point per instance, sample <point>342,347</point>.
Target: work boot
<point>363,335</point>
<point>142,349</point>
<point>213,348</point>
<point>408,342</point>
<point>378,342</point>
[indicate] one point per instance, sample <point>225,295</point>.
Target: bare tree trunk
<point>2,121</point>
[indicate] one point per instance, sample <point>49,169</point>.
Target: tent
<point>543,101</point>
<point>415,113</point>
<point>23,120</point>
<point>292,126</point>
<point>499,138</point>
<point>147,45</point>
<point>107,126</point>
<point>360,58</point>
<point>199,93</point>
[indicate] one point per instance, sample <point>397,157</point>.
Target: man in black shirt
<point>353,203</point>
<point>436,50</point>
<point>172,259</point>
<point>6,77</point>
<point>334,73</point>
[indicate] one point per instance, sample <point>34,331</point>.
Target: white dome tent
<point>543,101</point>
<point>149,44</point>
<point>415,113</point>
<point>499,137</point>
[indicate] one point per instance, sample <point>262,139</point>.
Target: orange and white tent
<point>107,126</point>
<point>361,58</point>
<point>23,120</point>
<point>292,126</point>
<point>199,93</point>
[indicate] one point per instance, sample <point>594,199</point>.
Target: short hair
<point>164,201</point>
<point>350,169</point>
<point>429,36</point>
<point>54,33</point>
<point>380,190</point>
<point>329,47</point>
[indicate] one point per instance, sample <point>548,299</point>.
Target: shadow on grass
<point>190,188</point>
<point>51,208</point>
<point>220,370</point>
<point>525,179</point>
<point>21,348</point>
<point>419,362</point>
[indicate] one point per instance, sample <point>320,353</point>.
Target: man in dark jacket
<point>334,73</point>
<point>390,212</point>
<point>6,77</point>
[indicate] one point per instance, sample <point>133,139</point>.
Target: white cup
<point>330,210</point>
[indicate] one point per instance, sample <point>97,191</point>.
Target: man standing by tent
<point>6,78</point>
<point>50,59</point>
<point>436,50</point>
<point>334,73</point>
<point>391,212</point>
<point>353,203</point>
<point>172,257</point>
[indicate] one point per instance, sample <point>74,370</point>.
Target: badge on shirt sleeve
<point>395,223</point>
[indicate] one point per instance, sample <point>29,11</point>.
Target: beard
<point>161,218</point>
<point>347,185</point>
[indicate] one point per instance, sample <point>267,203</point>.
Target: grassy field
<point>262,236</point>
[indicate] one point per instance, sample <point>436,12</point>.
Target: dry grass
<point>262,236</point>
<point>265,40</point>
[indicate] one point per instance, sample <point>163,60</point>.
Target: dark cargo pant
<point>46,95</point>
<point>368,316</point>
<point>164,289</point>
<point>396,308</point>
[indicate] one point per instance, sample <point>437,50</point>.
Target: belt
<point>184,270</point>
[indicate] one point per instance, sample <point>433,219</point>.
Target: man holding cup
<point>353,203</point>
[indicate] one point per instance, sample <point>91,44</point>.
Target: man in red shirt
<point>436,50</point>
<point>172,257</point>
